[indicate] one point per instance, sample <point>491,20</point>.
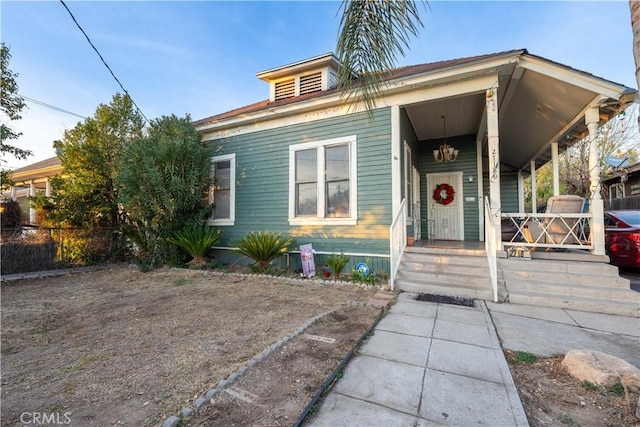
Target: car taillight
<point>635,237</point>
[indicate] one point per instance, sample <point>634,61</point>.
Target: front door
<point>445,212</point>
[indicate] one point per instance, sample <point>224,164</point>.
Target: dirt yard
<point>121,347</point>
<point>552,397</point>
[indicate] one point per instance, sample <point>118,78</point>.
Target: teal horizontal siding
<point>508,190</point>
<point>262,182</point>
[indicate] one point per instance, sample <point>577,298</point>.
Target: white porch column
<point>47,188</point>
<point>534,188</point>
<point>494,162</point>
<point>32,210</point>
<point>13,193</point>
<point>556,169</point>
<point>596,205</point>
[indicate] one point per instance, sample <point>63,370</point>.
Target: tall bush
<point>164,178</point>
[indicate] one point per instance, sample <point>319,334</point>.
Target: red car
<point>622,237</point>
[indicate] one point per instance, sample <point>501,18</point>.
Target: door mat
<point>466,302</point>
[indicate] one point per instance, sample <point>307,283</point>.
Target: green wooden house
<point>426,184</point>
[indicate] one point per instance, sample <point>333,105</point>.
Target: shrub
<point>164,182</point>
<point>337,263</point>
<point>526,357</point>
<point>10,214</point>
<point>360,277</point>
<point>263,247</point>
<point>196,241</point>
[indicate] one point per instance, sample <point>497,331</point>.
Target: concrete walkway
<point>426,364</point>
<point>439,364</point>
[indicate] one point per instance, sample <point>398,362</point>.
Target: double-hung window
<point>322,182</point>
<point>222,192</point>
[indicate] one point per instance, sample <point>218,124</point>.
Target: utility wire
<point>53,107</point>
<point>104,62</point>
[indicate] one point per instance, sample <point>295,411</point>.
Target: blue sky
<point>201,57</point>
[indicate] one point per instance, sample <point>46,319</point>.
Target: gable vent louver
<point>285,89</point>
<point>311,83</point>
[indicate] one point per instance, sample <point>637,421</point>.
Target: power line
<point>53,107</point>
<point>104,62</point>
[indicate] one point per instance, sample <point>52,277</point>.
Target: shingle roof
<point>47,163</point>
<point>396,73</point>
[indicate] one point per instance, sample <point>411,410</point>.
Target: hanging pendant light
<point>446,153</point>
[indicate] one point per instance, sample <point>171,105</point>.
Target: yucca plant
<point>196,241</point>
<point>337,263</point>
<point>263,247</point>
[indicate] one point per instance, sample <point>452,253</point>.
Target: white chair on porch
<point>557,230</point>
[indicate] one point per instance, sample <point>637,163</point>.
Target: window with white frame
<point>322,182</point>
<point>222,192</point>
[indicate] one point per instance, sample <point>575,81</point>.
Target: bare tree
<point>617,138</point>
<point>634,8</point>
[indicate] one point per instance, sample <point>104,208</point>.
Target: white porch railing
<point>490,247</point>
<point>397,240</point>
<point>549,230</point>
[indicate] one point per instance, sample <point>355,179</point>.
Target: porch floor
<point>449,244</point>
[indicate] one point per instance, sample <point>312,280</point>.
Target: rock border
<point>187,411</point>
<point>315,280</point>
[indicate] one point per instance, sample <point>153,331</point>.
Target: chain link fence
<point>27,248</point>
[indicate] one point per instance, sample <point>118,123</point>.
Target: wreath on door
<point>443,194</point>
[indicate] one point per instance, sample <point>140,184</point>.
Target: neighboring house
<point>33,178</point>
<point>308,164</point>
<point>624,182</point>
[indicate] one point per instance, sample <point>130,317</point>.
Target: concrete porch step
<point>445,251</point>
<point>570,290</point>
<point>576,279</point>
<point>558,266</point>
<point>446,288</point>
<point>469,278</point>
<point>621,308</point>
<point>460,260</point>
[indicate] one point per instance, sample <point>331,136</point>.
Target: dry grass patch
<point>124,346</point>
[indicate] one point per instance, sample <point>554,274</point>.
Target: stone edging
<point>187,411</point>
<point>314,280</point>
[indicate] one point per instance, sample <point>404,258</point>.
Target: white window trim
<point>408,180</point>
<point>232,190</point>
<point>353,183</point>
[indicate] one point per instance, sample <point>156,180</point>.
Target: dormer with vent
<point>303,77</point>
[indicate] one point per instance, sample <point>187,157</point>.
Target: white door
<point>445,216</point>
<point>417,223</point>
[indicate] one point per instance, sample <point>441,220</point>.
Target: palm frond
<point>263,247</point>
<point>372,35</point>
<point>196,241</point>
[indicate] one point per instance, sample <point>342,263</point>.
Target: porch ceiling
<point>540,108</point>
<point>463,115</point>
<point>533,109</point>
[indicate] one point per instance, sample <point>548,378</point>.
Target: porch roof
<point>540,102</point>
<point>38,170</point>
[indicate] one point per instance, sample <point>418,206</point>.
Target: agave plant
<point>337,263</point>
<point>263,247</point>
<point>196,241</point>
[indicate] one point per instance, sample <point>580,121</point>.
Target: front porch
<point>461,153</point>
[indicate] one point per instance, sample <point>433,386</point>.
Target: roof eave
<point>393,86</point>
